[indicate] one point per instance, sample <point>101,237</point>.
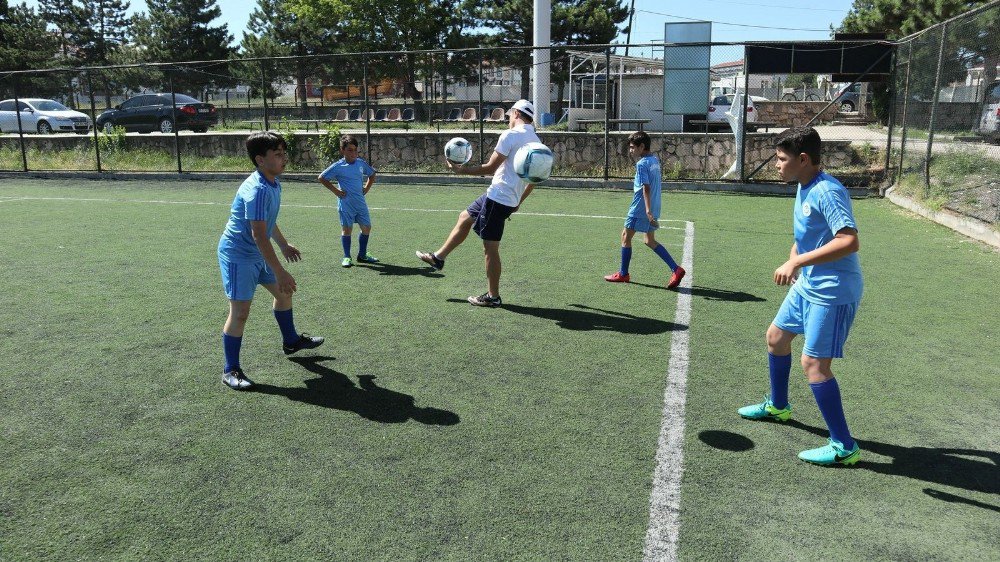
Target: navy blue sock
<point>231,349</point>
<point>626,257</point>
<point>663,253</point>
<point>780,366</point>
<point>288,333</point>
<point>345,240</point>
<point>362,245</point>
<point>828,399</point>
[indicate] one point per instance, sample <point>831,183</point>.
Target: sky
<point>734,19</point>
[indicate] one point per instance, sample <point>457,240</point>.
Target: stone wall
<point>792,113</point>
<point>958,116</point>
<point>693,155</point>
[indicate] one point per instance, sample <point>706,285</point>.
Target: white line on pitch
<point>289,205</point>
<point>665,499</point>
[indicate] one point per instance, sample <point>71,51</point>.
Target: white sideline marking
<point>164,202</point>
<point>665,499</point>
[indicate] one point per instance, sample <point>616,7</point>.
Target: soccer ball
<point>533,162</point>
<point>458,151</point>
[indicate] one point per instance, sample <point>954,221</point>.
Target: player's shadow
<point>332,389</point>
<point>586,318</point>
<point>708,293</point>
<point>726,440</point>
<point>399,270</point>
<point>969,469</point>
<point>952,498</point>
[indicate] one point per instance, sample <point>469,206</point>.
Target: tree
<point>181,30</point>
<point>107,30</point>
<point>25,44</point>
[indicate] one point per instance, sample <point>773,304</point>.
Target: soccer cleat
<point>766,411</point>
<point>236,380</point>
<point>346,262</point>
<point>305,342</point>
<point>432,260</point>
<point>675,279</point>
<point>617,277</point>
<point>485,300</point>
<point>832,453</point>
<point>367,258</point>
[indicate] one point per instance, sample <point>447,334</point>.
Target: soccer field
<point>427,429</point>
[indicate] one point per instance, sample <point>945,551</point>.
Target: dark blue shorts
<point>488,218</point>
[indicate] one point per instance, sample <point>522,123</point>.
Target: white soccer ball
<point>458,151</point>
<point>533,162</point>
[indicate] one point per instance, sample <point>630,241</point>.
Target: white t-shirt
<point>507,188</point>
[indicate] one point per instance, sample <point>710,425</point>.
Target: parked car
<point>42,116</point>
<point>154,112</point>
<point>720,106</point>
<point>849,96</point>
<point>989,116</point>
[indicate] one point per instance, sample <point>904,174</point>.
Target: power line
<point>733,24</point>
<point>776,6</point>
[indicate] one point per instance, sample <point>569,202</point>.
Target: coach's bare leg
<point>779,342</point>
<point>239,311</point>
<point>492,250</point>
<point>457,236</point>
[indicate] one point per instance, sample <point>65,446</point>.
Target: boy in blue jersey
<point>826,286</point>
<point>645,211</point>
<point>350,172</point>
<point>247,258</point>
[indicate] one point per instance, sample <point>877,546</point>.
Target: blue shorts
<point>488,218</point>
<point>825,327</point>
<point>638,223</point>
<point>240,279</point>
<point>354,213</point>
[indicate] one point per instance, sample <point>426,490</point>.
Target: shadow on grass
<point>336,390</point>
<point>969,469</point>
<point>952,498</point>
<point>708,293</point>
<point>726,440</point>
<point>588,318</point>
<point>399,270</point>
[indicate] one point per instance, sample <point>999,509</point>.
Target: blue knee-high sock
<point>362,245</point>
<point>828,399</point>
<point>231,350</point>
<point>626,258</point>
<point>345,240</point>
<point>288,333</point>
<point>780,366</point>
<point>663,253</point>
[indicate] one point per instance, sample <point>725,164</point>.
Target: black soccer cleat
<point>305,342</point>
<point>236,380</point>
<point>485,300</point>
<point>431,259</point>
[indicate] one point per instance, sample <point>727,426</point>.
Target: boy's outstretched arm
<point>844,243</point>
<point>286,283</point>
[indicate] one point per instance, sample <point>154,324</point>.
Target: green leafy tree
<point>25,44</point>
<point>107,30</point>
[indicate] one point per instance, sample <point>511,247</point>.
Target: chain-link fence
<point>946,107</point>
<point>404,106</point>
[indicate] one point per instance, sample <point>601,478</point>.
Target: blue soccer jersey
<point>256,200</point>
<point>822,208</point>
<point>647,171</point>
<point>351,178</point>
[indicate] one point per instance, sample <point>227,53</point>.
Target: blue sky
<point>652,14</point>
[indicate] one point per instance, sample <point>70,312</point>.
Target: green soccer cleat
<point>833,453</point>
<point>346,262</point>
<point>766,411</point>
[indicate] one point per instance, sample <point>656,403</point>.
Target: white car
<point>720,106</point>
<point>42,116</point>
<point>989,118</point>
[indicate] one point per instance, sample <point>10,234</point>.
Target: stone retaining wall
<point>792,113</point>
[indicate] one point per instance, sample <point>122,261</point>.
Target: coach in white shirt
<point>487,215</point>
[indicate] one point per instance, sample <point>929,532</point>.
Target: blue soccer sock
<point>362,245</point>
<point>345,240</point>
<point>780,367</point>
<point>828,399</point>
<point>288,333</point>
<point>626,258</point>
<point>663,253</point>
<point>231,349</point>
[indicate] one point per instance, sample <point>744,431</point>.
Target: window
<point>721,100</point>
<point>21,106</point>
<point>994,95</point>
<point>134,102</point>
<point>7,106</point>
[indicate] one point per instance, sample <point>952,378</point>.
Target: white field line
<point>665,499</point>
<point>405,209</point>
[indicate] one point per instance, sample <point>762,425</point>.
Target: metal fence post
<point>93,114</point>
<point>263,95</point>
<point>934,104</point>
<point>741,158</point>
<point>892,113</point>
<point>173,120</point>
<point>607,114</point>
<point>482,153</point>
<point>906,98</point>
<point>20,126</point>
<point>368,121</point>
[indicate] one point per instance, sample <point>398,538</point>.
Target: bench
<point>307,123</point>
<point>724,125</point>
<point>615,123</point>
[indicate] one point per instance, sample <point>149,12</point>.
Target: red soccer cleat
<point>675,279</point>
<point>617,277</point>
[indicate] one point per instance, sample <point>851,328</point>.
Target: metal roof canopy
<point>598,61</point>
<point>844,58</point>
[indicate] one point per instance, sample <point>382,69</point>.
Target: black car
<point>155,112</point>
